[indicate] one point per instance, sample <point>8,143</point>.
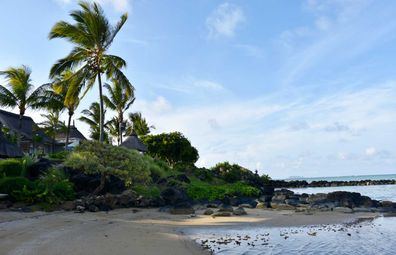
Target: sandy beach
<point>132,231</point>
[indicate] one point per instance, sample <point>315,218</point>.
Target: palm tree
<point>92,36</point>
<point>52,125</point>
<point>120,99</point>
<point>113,128</point>
<point>138,125</point>
<point>20,92</point>
<point>92,119</point>
<point>66,90</point>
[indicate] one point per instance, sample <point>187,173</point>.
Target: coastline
<point>146,231</point>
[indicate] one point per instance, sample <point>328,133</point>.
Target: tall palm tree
<point>92,119</point>
<point>92,36</point>
<point>66,90</point>
<point>138,125</point>
<point>20,92</point>
<point>113,128</point>
<point>120,99</point>
<point>52,125</point>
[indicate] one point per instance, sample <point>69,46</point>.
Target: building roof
<point>74,133</point>
<point>133,142</point>
<point>9,150</point>
<point>11,120</point>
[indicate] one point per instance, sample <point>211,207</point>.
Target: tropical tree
<point>113,129</point>
<point>119,100</point>
<point>138,125</point>
<point>20,92</point>
<point>66,90</point>
<point>92,36</point>
<point>92,119</point>
<point>52,125</point>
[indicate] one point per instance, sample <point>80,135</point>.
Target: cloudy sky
<point>290,88</point>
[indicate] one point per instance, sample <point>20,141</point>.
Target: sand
<point>124,231</point>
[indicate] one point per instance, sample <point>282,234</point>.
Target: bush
<point>59,155</point>
<point>150,191</point>
<point>205,191</point>
<point>93,157</point>
<point>13,185</point>
<point>10,167</point>
<point>231,173</point>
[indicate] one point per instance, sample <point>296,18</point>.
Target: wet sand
<point>124,231</point>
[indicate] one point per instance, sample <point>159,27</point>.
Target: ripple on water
<point>370,237</point>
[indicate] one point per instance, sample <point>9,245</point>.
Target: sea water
<point>370,237</point>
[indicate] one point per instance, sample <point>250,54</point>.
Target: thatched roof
<point>9,150</point>
<point>11,121</point>
<point>74,133</point>
<point>133,142</point>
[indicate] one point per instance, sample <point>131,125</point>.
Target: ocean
<point>345,178</point>
<point>368,237</point>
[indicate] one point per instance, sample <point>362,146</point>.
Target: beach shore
<point>132,231</point>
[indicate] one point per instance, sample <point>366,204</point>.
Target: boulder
<point>127,198</point>
<point>283,207</point>
<point>68,205</point>
<point>173,196</point>
<point>345,199</point>
<point>239,211</point>
<point>208,212</point>
<point>182,178</point>
<point>182,208</point>
<point>247,205</point>
<point>292,201</point>
<point>317,198</point>
<point>80,209</point>
<point>93,208</point>
<point>221,214</point>
<point>225,208</point>
<point>211,205</point>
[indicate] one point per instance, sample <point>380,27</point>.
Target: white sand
<point>124,232</point>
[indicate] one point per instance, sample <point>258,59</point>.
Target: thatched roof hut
<point>133,142</point>
<point>9,150</point>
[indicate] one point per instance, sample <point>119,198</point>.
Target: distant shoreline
<point>324,183</point>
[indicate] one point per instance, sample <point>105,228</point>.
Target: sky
<point>290,88</point>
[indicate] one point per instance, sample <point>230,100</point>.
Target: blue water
<point>346,178</point>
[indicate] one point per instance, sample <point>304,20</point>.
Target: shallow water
<point>369,237</point>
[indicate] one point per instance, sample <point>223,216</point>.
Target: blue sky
<point>290,88</point>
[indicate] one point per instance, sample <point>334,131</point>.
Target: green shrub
<point>14,187</point>
<point>93,157</point>
<point>10,167</point>
<point>150,191</point>
<point>205,191</point>
<point>59,155</point>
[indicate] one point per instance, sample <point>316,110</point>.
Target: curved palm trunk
<point>68,130</point>
<point>101,124</point>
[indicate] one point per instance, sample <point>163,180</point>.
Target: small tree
<point>171,147</point>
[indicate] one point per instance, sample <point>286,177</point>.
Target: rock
<point>239,211</point>
<point>261,205</point>
<point>208,212</point>
<point>114,185</point>
<point>364,209</point>
<point>237,200</point>
<point>127,198</point>
<point>3,196</point>
<point>225,208</point>
<point>212,206</point>
<point>68,205</point>
<point>343,209</point>
<point>292,202</point>
<point>282,206</point>
<point>247,206</point>
<point>182,208</point>
<point>386,203</point>
<point>173,195</point>
<point>93,208</point>
<point>345,199</point>
<point>317,198</point>
<point>80,209</point>
<point>284,192</point>
<point>221,214</point>
<point>182,178</point>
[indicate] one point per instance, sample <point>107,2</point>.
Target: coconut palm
<point>52,125</point>
<point>20,92</point>
<point>120,99</point>
<point>138,125</point>
<point>113,128</point>
<point>92,36</point>
<point>92,119</point>
<point>66,90</point>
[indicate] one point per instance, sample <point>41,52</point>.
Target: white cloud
<point>371,151</point>
<point>224,20</point>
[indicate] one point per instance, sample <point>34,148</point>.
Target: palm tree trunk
<point>68,130</point>
<point>120,118</point>
<point>19,137</point>
<point>101,124</point>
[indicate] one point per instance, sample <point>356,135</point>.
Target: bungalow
<point>134,143</point>
<point>75,137</point>
<point>32,138</point>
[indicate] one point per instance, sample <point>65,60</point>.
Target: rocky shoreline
<point>305,184</point>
